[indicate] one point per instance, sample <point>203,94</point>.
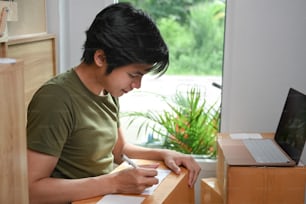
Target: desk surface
<point>173,189</point>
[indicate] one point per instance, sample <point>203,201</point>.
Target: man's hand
<point>135,180</point>
<point>175,159</point>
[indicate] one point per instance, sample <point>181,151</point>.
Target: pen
<point>129,161</point>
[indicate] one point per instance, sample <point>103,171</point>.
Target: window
<point>194,32</point>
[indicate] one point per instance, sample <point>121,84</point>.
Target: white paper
<point>162,173</point>
<point>115,198</point>
<point>245,136</point>
<point>118,199</point>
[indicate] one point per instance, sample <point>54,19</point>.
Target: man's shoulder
<point>62,78</point>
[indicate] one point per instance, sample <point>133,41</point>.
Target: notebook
<point>290,137</point>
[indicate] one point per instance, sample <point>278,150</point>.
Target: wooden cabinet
<point>28,40</point>
<point>38,53</point>
<point>13,168</point>
<point>254,185</point>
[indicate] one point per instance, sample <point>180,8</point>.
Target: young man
<point>73,129</point>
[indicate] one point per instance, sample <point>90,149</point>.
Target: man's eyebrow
<point>138,73</point>
<point>148,70</point>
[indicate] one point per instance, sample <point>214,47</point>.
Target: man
<point>73,129</point>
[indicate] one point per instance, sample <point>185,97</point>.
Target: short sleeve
<point>49,120</point>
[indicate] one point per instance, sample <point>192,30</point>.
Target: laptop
<point>289,139</point>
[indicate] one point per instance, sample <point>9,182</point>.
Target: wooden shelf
<point>38,53</point>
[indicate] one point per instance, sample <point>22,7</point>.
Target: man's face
<point>124,79</point>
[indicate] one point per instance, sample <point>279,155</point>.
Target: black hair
<point>127,36</point>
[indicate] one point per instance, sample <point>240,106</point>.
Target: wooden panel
<point>245,186</point>
<point>221,178</point>
<point>210,191</point>
<point>38,54</point>
<point>285,185</point>
<point>13,168</point>
<point>31,18</point>
<point>266,185</point>
<point>173,190</point>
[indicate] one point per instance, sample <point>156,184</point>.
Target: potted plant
<point>188,124</point>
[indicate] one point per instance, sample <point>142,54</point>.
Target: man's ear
<point>99,58</point>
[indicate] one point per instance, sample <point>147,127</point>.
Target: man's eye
<point>132,75</point>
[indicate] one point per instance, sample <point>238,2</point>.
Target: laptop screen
<point>291,130</point>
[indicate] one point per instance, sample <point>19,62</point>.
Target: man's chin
<point>118,94</point>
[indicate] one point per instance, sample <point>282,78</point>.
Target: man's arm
<point>171,159</point>
<point>44,189</point>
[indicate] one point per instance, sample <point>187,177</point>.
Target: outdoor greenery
<point>189,124</point>
<point>193,30</point>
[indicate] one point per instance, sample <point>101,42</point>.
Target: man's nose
<point>136,84</point>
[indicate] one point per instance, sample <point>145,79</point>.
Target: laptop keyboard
<point>265,151</point>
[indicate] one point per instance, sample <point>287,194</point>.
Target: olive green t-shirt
<point>68,121</point>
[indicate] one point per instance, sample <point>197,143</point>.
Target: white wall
<point>265,54</point>
<point>69,19</point>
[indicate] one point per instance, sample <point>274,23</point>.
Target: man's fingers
<point>152,166</point>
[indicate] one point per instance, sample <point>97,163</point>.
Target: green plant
<point>189,124</point>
